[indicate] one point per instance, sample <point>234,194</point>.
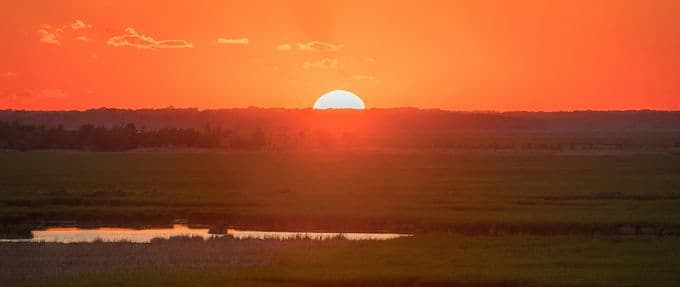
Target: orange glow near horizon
<point>457,55</point>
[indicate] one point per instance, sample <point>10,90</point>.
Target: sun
<point>339,99</point>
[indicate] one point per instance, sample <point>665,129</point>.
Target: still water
<point>108,234</point>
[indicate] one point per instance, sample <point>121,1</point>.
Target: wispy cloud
<point>226,41</point>
<point>49,37</point>
<point>316,46</point>
<point>82,38</point>
<point>51,34</point>
<point>80,24</point>
<point>325,63</point>
<point>312,46</point>
<point>132,38</point>
<point>284,47</point>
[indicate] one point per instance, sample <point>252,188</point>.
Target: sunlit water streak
<point>109,234</point>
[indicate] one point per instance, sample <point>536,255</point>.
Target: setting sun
<point>339,99</point>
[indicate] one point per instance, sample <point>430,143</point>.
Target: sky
<point>454,55</point>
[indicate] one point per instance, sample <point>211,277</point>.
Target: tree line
<point>24,137</point>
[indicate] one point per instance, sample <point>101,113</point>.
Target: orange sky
<point>459,55</point>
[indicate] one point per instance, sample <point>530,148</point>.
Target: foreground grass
<point>423,260</point>
<point>344,190</point>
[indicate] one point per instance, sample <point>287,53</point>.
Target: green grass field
<point>345,191</point>
<point>478,219</point>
